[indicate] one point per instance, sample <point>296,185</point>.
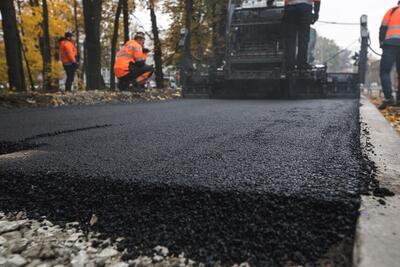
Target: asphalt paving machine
<point>253,62</point>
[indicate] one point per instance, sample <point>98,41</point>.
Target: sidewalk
<point>378,231</point>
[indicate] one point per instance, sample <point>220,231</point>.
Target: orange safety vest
<point>131,52</point>
<point>295,2</point>
<point>391,27</point>
<point>68,52</point>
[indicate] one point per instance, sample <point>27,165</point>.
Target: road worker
<point>130,64</point>
<point>389,38</point>
<point>297,19</point>
<point>69,58</point>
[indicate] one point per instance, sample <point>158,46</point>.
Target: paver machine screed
<point>253,64</point>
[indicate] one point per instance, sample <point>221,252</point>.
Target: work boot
<point>386,103</point>
<point>123,86</point>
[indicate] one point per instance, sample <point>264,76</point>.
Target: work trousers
<point>296,25</point>
<point>390,56</point>
<point>133,75</point>
<point>70,70</point>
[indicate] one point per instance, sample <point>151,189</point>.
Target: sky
<point>351,11</point>
<point>348,11</point>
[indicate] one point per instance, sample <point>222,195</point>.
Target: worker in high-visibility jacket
<point>389,38</point>
<point>69,58</point>
<point>297,19</point>
<point>130,63</point>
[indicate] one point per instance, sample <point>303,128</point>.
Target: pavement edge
<point>377,241</point>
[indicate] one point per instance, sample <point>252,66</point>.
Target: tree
<point>92,17</point>
<point>114,43</point>
<point>27,65</point>
<point>328,52</point>
<point>12,45</point>
<point>186,61</point>
<point>46,50</point>
<point>125,9</point>
<point>206,46</point>
<point>30,18</point>
<point>157,47</point>
<point>78,24</point>
<point>218,25</point>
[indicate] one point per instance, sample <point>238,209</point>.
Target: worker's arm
<point>140,57</point>
<point>382,34</point>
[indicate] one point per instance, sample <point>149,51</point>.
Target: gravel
<point>41,243</point>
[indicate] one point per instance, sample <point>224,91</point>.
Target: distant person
<point>389,38</point>
<point>69,58</point>
<point>130,64</point>
<point>297,19</point>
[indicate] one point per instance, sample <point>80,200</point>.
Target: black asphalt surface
<point>221,180</point>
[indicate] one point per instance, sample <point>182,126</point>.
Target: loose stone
<point>15,261</point>
<point>108,253</point>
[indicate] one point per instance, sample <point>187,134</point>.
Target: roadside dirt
<point>39,99</point>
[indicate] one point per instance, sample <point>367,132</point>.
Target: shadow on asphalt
<point>231,227</point>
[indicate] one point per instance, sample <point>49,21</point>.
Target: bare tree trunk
<point>221,29</point>
<point>84,64</point>
<point>12,43</point>
<point>114,44</point>
<point>188,25</point>
<point>187,61</point>
<point>77,34</point>
<point>92,14</point>
<point>28,67</point>
<point>214,36</point>
<point>46,49</point>
<point>157,48</point>
<point>126,19</point>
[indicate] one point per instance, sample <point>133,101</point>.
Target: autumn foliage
<point>207,26</point>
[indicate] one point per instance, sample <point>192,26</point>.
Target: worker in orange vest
<point>389,38</point>
<point>130,63</point>
<point>69,58</point>
<point>297,19</point>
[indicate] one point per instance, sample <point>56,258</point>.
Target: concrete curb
<point>378,229</point>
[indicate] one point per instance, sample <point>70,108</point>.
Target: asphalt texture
<point>222,180</point>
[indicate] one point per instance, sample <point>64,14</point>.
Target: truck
<point>254,62</point>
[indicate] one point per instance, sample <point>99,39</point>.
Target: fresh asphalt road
<point>222,180</point>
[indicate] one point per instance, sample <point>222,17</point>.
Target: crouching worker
<point>130,64</point>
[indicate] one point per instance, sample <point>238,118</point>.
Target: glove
<point>146,51</point>
<point>315,18</point>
